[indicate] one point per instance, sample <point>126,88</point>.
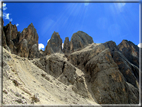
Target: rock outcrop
<point>130,51</point>
<point>129,70</point>
<point>66,48</point>
<point>23,50</point>
<point>104,75</point>
<point>79,40</point>
<point>54,44</point>
<point>24,44</point>
<point>10,33</point>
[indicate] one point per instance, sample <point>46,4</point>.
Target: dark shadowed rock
<point>26,41</point>
<point>129,71</point>
<point>79,40</point>
<point>66,48</point>
<point>23,50</point>
<point>111,45</point>
<point>34,52</point>
<point>54,44</point>
<point>130,51</point>
<point>3,40</point>
<point>30,34</point>
<point>10,32</point>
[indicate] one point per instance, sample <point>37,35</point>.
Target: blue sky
<point>102,21</point>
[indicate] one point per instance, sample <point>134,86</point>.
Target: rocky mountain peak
<point>54,44</point>
<point>14,40</point>
<point>130,51</point>
<point>66,47</point>
<point>79,40</point>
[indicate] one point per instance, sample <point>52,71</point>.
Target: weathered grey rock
<point>23,50</point>
<point>3,40</point>
<point>66,48</point>
<point>80,58</point>
<point>30,34</point>
<point>79,40</point>
<point>54,44</point>
<point>26,41</point>
<point>34,52</point>
<point>111,45</point>
<point>129,71</point>
<point>64,72</point>
<point>130,51</point>
<point>107,82</point>
<point>10,32</point>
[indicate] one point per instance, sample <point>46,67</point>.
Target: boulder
<point>79,40</point>
<point>54,44</point>
<point>66,48</point>
<point>130,51</point>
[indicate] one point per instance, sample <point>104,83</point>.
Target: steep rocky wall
<point>24,44</point>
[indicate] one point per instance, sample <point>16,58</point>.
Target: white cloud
<point>40,46</point>
<point>17,24</point>
<point>48,40</point>
<point>62,45</point>
<point>140,45</point>
<point>4,6</point>
<point>6,16</point>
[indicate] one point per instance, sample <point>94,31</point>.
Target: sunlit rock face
<point>54,44</point>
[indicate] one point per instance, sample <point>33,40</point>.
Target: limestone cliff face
<point>82,72</point>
